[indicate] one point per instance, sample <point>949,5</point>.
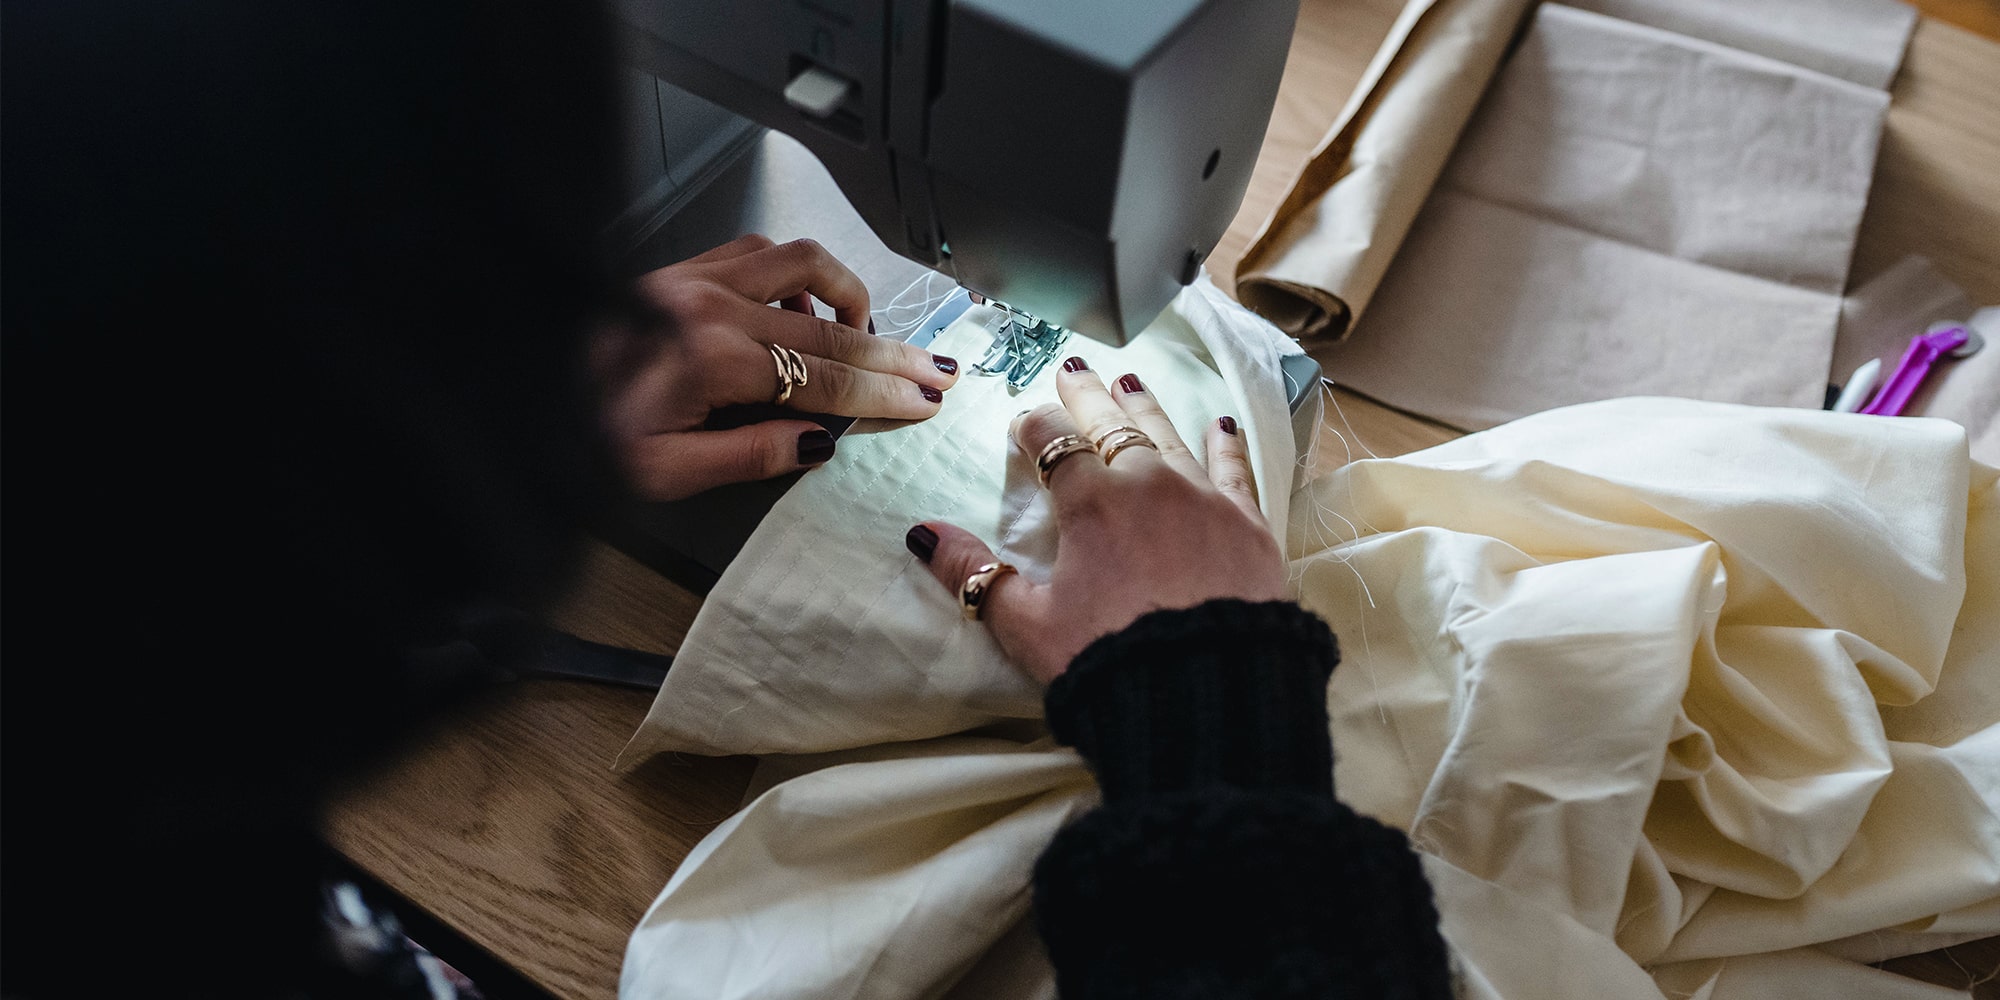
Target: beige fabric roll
<point>1317,260</point>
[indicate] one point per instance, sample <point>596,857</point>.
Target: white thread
<point>1327,386</point>
<point>1972,981</point>
<point>899,318</point>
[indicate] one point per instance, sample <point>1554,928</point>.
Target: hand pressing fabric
<point>708,338</point>
<point>1220,864</point>
<point>1144,528</point>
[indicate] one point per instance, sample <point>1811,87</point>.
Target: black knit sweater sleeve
<point>1220,864</point>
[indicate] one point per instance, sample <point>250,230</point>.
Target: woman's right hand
<point>1148,530</point>
<point>706,342</point>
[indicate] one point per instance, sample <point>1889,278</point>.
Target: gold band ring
<point>972,596</point>
<point>1098,441</point>
<point>1054,452</point>
<point>1111,444</point>
<point>791,371</point>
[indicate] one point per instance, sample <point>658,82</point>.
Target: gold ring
<point>791,371</point>
<point>1111,444</point>
<point>800,376</point>
<point>1098,441</point>
<point>1054,452</point>
<point>972,596</point>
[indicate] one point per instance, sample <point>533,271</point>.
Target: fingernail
<point>815,447</point>
<point>871,326</point>
<point>922,541</point>
<point>949,366</point>
<point>1130,383</point>
<point>1228,425</point>
<point>1075,365</point>
<point>931,394</point>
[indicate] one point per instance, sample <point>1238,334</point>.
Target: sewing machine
<point>1072,162</point>
<point>1075,159</point>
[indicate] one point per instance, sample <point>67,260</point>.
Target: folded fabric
<point>1675,698</point>
<point>1316,262</point>
<point>1860,41</point>
<point>1631,211</point>
<point>1320,258</point>
<point>825,633</point>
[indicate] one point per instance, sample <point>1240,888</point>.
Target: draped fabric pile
<point>1674,698</point>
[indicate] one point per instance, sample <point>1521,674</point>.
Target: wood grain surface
<point>508,824</point>
<point>1937,175</point>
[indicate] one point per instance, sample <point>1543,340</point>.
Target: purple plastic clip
<point>1924,351</point>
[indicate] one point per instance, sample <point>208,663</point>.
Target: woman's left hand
<point>707,345</point>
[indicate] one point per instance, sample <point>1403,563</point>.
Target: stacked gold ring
<point>1117,439</point>
<point>972,596</point>
<point>1054,452</point>
<point>791,371</point>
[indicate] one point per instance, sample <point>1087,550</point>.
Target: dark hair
<point>293,306</point>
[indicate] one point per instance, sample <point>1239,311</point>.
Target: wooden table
<point>508,825</point>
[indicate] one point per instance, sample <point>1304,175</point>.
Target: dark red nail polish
<point>1228,425</point>
<point>931,394</point>
<point>871,326</point>
<point>1130,383</point>
<point>815,447</point>
<point>1075,365</point>
<point>922,542</point>
<point>949,366</point>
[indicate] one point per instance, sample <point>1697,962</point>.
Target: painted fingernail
<point>871,326</point>
<point>1075,365</point>
<point>931,394</point>
<point>815,447</point>
<point>1130,383</point>
<point>922,541</point>
<point>1228,425</point>
<point>949,366</point>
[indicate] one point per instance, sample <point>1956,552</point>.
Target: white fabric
<point>1631,211</point>
<point>825,633</point>
<point>1676,699</point>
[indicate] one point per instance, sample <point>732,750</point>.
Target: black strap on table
<point>522,646</point>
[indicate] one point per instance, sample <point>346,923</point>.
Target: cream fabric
<point>897,872</point>
<point>1677,685</point>
<point>1676,699</point>
<point>825,633</point>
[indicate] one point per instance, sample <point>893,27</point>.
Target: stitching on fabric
<point>839,644</point>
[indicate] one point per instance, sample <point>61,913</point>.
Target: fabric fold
<point>825,633</point>
<point>1673,698</point>
<point>1316,260</point>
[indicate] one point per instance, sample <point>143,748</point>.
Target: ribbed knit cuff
<point>1227,893</point>
<point>1228,693</point>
